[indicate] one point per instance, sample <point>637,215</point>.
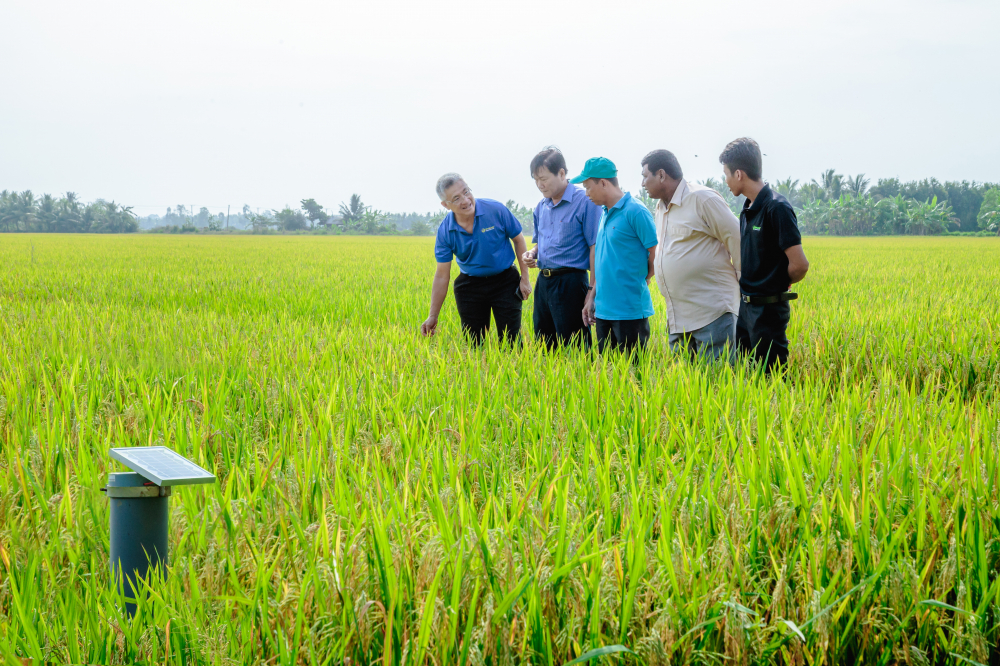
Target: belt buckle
<point>547,272</point>
<point>745,298</point>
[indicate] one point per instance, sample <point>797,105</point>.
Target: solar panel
<point>162,466</point>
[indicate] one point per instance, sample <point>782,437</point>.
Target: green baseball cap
<point>597,167</point>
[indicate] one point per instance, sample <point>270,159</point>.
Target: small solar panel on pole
<point>140,511</point>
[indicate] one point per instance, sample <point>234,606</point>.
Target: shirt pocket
<point>557,230</point>
<point>679,230</point>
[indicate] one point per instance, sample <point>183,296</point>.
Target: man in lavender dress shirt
<point>565,232</point>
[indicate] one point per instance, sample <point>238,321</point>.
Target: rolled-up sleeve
<point>721,223</point>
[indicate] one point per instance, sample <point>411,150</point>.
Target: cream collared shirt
<point>698,259</point>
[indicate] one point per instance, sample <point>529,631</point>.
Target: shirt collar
<point>567,195</point>
<point>451,222</point>
<point>763,197</point>
<point>621,202</point>
<point>679,193</point>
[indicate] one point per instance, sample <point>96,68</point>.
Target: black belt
<point>767,300</point>
<point>550,272</point>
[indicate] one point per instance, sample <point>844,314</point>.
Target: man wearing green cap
<point>619,305</point>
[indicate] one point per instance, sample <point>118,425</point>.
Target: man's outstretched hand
<point>429,327</point>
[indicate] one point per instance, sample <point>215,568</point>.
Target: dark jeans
<point>476,297</point>
<point>622,335</point>
<point>760,333</point>
<point>558,315</point>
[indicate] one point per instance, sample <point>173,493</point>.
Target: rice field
<point>387,499</point>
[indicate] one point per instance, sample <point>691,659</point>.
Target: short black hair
<point>663,159</point>
<point>743,154</point>
<point>549,157</point>
<point>613,181</point>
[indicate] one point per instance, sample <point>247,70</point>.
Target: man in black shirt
<point>771,256</point>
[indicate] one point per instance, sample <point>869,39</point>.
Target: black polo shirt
<point>767,229</point>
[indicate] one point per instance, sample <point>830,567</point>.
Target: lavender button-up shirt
<point>566,232</point>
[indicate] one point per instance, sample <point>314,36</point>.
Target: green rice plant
<point>386,498</point>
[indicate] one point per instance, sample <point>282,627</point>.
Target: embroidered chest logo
<point>489,229</point>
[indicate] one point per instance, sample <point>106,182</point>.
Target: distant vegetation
<point>834,204</point>
<point>23,211</point>
<point>353,217</point>
<point>524,215</point>
<point>848,206</point>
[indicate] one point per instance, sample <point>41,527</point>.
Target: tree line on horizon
<point>839,205</point>
<point>24,212</point>
<point>354,217</point>
<point>834,204</point>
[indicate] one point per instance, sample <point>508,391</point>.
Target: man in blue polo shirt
<point>619,304</point>
<point>565,233</point>
<point>478,233</point>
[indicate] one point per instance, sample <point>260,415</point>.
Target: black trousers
<point>760,333</point>
<point>558,315</point>
<point>477,297</point>
<point>622,335</point>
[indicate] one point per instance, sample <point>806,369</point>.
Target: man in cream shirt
<point>698,264</point>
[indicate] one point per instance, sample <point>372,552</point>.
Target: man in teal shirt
<point>619,303</point>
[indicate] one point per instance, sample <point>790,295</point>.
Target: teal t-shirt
<point>624,236</point>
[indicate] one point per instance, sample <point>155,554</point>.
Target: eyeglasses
<point>458,198</point>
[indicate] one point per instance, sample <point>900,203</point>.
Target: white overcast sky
<point>209,103</point>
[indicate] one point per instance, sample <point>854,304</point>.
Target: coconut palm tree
<point>789,189</point>
<point>6,207</point>
<point>22,210</point>
<point>809,192</point>
<point>68,217</point>
<point>111,218</point>
<point>351,214</point>
<point>831,183</point>
<point>90,217</point>
<point>47,214</point>
<point>735,203</point>
<point>857,186</point>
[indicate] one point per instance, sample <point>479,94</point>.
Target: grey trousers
<point>710,341</point>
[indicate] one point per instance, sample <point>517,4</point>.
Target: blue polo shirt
<point>487,250</point>
<point>624,237</point>
<point>566,232</point>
